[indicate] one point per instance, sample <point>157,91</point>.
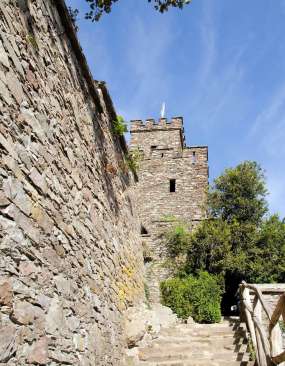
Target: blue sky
<point>219,64</point>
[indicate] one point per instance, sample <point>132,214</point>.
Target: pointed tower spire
<point>162,111</point>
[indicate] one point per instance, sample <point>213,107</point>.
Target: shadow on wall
<point>119,143</point>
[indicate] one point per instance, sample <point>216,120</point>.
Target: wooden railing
<point>263,324</point>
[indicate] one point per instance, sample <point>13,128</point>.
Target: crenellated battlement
<point>151,124</point>
<point>156,133</point>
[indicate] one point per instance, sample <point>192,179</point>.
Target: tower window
<point>153,147</point>
<point>194,158</point>
<point>143,230</point>
<point>162,155</point>
<point>172,185</point>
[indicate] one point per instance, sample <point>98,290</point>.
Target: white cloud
<point>148,49</point>
<point>268,135</point>
<point>219,85</point>
<point>272,112</point>
<point>208,40</point>
<point>269,125</point>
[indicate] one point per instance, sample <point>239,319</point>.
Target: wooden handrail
<point>267,347</point>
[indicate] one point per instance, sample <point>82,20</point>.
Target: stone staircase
<point>222,344</point>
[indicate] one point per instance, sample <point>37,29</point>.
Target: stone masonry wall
<point>166,157</point>
<point>70,252</point>
<point>166,136</point>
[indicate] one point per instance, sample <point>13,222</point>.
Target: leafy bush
<point>119,126</point>
<point>176,240</point>
<point>174,292</point>
<point>133,159</point>
<point>199,297</point>
<point>206,299</point>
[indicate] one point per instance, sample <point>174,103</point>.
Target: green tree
<point>238,241</point>
<point>239,194</point>
<point>208,247</point>
<point>98,7</point>
<point>267,257</point>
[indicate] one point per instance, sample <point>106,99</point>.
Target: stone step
<point>211,326</point>
<point>203,340</point>
<point>203,329</point>
<point>194,345</point>
<point>198,363</point>
<point>222,344</point>
<point>180,336</point>
<point>214,326</point>
<point>191,335</point>
<point>216,330</point>
<point>173,355</point>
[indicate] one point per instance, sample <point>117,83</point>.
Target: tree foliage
<point>238,240</point>
<point>73,13</point>
<point>239,194</point>
<point>98,7</point>
<point>267,257</point>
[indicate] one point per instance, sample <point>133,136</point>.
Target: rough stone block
<point>6,292</point>
<point>39,352</point>
<point>8,344</point>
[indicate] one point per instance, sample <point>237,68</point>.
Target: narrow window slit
<point>172,185</point>
<point>143,230</point>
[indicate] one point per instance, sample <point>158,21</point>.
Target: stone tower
<point>173,179</point>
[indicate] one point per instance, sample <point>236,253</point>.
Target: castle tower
<point>172,183</point>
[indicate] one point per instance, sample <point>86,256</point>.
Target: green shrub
<point>199,297</point>
<point>133,159</point>
<point>174,293</point>
<point>119,126</point>
<point>177,240</point>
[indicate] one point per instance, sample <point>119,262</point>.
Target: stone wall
<point>166,136</point>
<point>165,158</point>
<point>71,259</point>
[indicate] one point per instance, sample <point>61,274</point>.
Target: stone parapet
<point>153,125</point>
<point>162,134</point>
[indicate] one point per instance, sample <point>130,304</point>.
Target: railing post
<point>276,342</point>
<point>275,334</point>
<point>258,315</point>
<point>246,299</point>
<point>268,344</point>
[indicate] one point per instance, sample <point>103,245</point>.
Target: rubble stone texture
<point>166,157</point>
<point>71,256</point>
